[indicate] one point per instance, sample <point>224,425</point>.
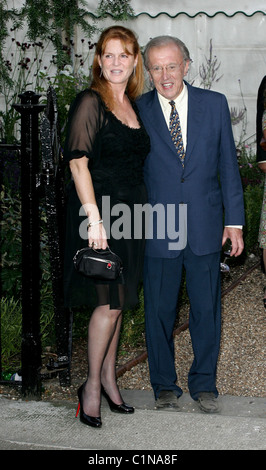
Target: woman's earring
<point>101,72</point>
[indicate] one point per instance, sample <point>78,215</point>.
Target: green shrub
<point>11,328</point>
<point>253,197</point>
<point>133,324</point>
<point>251,175</point>
<point>11,278</point>
<point>10,244</point>
<point>11,324</point>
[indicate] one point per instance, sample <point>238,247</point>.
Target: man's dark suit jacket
<point>209,184</point>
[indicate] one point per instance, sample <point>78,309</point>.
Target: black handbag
<point>101,264</point>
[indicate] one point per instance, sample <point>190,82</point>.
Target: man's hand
<point>236,237</point>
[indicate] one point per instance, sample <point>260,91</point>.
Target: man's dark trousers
<point>162,280</point>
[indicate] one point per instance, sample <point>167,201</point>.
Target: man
<point>201,174</point>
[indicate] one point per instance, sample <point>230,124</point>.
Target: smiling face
<point>167,68</point>
<point>117,62</point>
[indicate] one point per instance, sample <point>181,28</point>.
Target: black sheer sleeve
<point>261,154</point>
<point>85,120</point>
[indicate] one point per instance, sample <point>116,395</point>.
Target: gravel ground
<point>241,366</point>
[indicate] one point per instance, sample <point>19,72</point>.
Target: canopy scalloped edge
<point>187,14</point>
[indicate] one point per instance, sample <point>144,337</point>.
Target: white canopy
<point>191,7</point>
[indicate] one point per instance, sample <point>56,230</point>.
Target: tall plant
<point>208,71</point>
<point>50,24</point>
<point>55,20</point>
<point>5,16</point>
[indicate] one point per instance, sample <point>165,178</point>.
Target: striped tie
<point>175,131</point>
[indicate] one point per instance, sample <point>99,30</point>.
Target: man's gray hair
<point>160,41</point>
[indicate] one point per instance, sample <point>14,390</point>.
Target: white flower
<point>64,72</point>
<point>42,72</point>
<point>68,70</point>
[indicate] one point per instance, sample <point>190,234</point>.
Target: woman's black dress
<point>116,155</point>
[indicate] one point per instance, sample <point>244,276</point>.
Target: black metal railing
<point>53,183</point>
<point>50,177</point>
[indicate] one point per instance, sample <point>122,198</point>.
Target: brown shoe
<point>167,399</point>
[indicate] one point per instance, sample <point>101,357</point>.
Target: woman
<point>106,146</point>
<point>261,159</point>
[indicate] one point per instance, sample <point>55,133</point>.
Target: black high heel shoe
<point>123,408</point>
<point>86,419</point>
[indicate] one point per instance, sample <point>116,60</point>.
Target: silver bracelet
<point>96,222</point>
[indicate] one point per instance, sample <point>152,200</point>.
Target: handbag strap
<point>107,250</point>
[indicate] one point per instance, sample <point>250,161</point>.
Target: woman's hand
<point>97,236</point>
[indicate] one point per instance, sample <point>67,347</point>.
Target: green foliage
<point>253,196</point>
<point>250,172</point>
<point>50,25</point>
<point>251,175</point>
<point>11,325</point>
<point>55,20</point>
<point>120,10</point>
<point>23,72</point>
<point>133,324</point>
<point>11,277</point>
<point>66,83</point>
<point>47,328</point>
<point>5,16</point>
<point>253,186</point>
<point>10,244</point>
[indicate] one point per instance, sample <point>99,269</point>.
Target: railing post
<point>31,340</point>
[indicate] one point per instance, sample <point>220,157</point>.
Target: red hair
<point>136,80</point>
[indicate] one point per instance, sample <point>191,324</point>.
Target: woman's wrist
<point>95,222</point>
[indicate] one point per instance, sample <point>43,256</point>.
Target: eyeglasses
<point>171,68</point>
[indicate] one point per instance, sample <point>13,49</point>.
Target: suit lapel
<point>158,123</point>
<point>195,114</point>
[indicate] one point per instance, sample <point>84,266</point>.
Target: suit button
<point>182,180</point>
